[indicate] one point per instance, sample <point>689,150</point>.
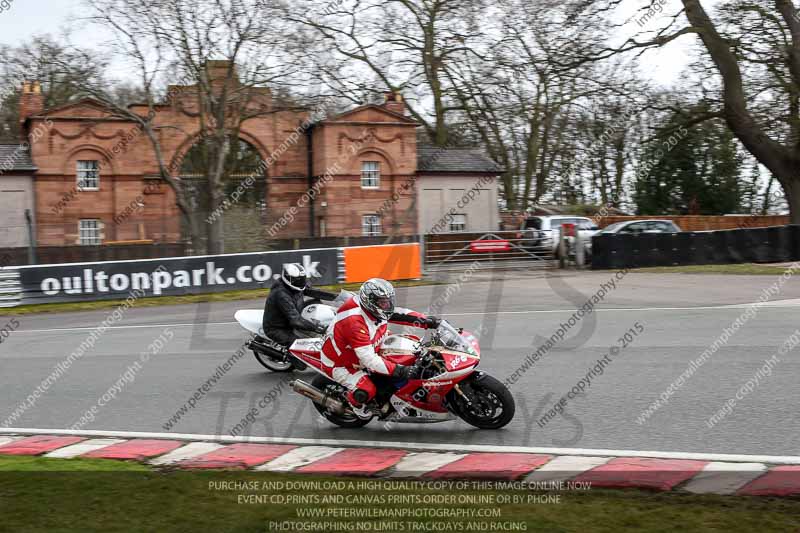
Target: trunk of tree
<point>793,198</point>
<point>216,191</point>
<point>767,203</point>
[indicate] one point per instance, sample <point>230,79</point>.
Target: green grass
<point>744,268</point>
<point>157,301</point>
<point>54,500</point>
<point>26,463</point>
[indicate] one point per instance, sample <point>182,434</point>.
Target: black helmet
<point>294,276</point>
<point>377,298</point>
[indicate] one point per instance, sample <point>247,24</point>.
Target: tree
<point>529,110</point>
<point>694,171</point>
<point>754,48</point>
<point>62,70</point>
<point>405,45</point>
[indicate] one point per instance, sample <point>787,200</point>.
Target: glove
<point>401,371</point>
<point>433,322</point>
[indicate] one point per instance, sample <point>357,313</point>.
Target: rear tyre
<point>270,358</point>
<point>491,405</point>
<point>273,364</point>
<point>334,389</point>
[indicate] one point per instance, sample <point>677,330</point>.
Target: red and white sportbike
<point>449,385</point>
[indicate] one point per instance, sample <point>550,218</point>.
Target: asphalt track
<point>681,316</point>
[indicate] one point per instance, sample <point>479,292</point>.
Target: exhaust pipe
<point>271,351</point>
<point>317,396</point>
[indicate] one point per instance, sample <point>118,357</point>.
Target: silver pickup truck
<point>540,233</point>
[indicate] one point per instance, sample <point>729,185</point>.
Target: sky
<point>25,18</point>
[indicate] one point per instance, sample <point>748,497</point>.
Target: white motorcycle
<point>274,356</point>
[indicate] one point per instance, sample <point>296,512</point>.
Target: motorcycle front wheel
<point>334,389</point>
<point>488,403</point>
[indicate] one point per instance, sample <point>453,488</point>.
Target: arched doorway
<point>243,211</point>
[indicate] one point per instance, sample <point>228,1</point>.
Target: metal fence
<point>493,249</point>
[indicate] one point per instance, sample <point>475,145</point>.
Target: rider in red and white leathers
<point>352,341</point>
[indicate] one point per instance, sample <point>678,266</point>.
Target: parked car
<point>540,233</point>
<point>642,226</point>
<point>639,226</point>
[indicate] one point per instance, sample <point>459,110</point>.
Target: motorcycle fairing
<point>407,412</point>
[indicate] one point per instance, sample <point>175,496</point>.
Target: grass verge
<point>157,301</point>
<point>743,269</point>
<point>69,496</point>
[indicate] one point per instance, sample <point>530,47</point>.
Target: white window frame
<point>462,223</point>
<point>370,177</point>
<point>83,173</point>
<point>371,225</point>
<point>90,232</point>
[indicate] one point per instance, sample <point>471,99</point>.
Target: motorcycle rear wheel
<point>271,364</point>
<point>492,403</point>
<point>346,421</point>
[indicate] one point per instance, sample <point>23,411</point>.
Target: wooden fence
<point>706,223</point>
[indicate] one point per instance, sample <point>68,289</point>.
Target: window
<point>458,223</point>
<point>89,232</point>
<point>533,223</point>
<point>88,174</point>
<point>636,227</point>
<point>662,227</point>
<point>370,174</point>
<point>370,225</point>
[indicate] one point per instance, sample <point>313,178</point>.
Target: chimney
<point>393,101</point>
<point>216,71</point>
<point>31,100</point>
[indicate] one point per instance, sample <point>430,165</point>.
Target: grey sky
<point>32,17</point>
<point>26,18</point>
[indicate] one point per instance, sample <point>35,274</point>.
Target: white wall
<point>440,195</point>
<point>16,195</point>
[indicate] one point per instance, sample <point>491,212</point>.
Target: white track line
<point>776,304</point>
<point>422,446</point>
<point>7,440</point>
<point>564,468</point>
<point>190,451</point>
<point>724,478</point>
<point>416,464</point>
<point>74,450</point>
<point>298,457</point>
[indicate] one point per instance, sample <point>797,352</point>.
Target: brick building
<point>95,178</point>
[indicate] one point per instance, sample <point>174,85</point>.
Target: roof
<point>341,117</point>
<point>432,158</point>
<point>15,157</point>
<point>86,100</point>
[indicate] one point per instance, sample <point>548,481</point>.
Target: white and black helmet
<point>377,298</point>
<point>294,276</point>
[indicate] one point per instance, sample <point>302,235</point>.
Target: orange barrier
<point>390,261</point>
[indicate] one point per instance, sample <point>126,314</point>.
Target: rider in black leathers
<point>285,303</point>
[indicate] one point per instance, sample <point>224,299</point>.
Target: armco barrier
<point>168,276</point>
<point>774,244</point>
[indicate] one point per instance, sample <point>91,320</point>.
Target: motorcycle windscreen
<point>455,340</point>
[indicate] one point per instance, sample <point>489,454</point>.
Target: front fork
<point>477,375</point>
